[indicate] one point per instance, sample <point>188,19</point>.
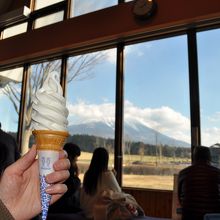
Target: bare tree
<point>79,68</point>
<point>127,146</point>
<point>141,151</point>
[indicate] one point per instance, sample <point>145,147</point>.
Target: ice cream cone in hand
<point>49,143</point>
<point>49,121</point>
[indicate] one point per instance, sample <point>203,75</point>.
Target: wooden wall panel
<point>156,203</point>
<point>113,24</point>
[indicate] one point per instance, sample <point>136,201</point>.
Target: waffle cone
<point>50,140</point>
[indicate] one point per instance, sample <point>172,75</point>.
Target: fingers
<point>63,154</point>
<point>55,198</point>
<point>61,170</point>
<point>57,176</point>
<point>26,161</point>
<point>56,189</point>
<point>61,164</point>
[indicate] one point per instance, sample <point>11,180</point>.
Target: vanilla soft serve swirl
<point>49,106</point>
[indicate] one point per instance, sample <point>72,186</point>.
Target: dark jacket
<point>199,191</point>
<point>8,150</point>
<point>4,213</point>
<point>69,202</point>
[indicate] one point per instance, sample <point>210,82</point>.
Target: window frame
<point>193,74</point>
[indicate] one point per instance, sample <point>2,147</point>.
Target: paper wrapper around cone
<point>49,143</point>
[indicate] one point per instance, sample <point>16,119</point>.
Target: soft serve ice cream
<point>49,106</point>
<point>49,121</point>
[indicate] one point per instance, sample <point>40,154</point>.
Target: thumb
<point>26,161</point>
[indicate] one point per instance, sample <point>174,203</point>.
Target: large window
<point>91,103</point>
<point>79,7</point>
<point>156,113</point>
<point>209,78</point>
<point>154,87</point>
<point>36,76</point>
<point>10,96</point>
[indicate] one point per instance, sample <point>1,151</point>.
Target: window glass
<point>79,7</point>
<point>15,30</point>
<point>10,96</point>
<point>42,3</point>
<point>49,19</point>
<point>209,77</point>
<point>156,113</point>
<point>91,103</point>
<point>36,77</point>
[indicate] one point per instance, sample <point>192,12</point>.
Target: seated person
<point>69,203</point>
<point>8,150</point>
<point>97,179</point>
<point>199,186</point>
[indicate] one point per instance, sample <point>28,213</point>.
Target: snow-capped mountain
<point>132,132</point>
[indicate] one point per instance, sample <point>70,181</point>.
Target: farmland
<point>143,171</point>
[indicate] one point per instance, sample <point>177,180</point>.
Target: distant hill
<point>133,132</point>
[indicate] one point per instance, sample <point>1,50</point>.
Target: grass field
<point>149,181</point>
<point>129,159</point>
<point>142,181</point>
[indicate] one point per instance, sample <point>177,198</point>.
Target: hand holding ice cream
<point>18,183</point>
<point>49,121</point>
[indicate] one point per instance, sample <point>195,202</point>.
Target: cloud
<point>210,136</point>
<point>111,56</point>
<point>137,49</point>
<point>84,112</point>
<point>82,7</point>
<point>1,93</point>
<point>215,117</point>
<point>210,131</point>
<point>163,119</point>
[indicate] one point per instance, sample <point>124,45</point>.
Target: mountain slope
<point>135,132</point>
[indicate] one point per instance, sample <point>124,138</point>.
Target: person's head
<point>99,160</point>
<point>201,154</point>
<point>72,150</point>
<point>0,125</point>
<point>98,165</point>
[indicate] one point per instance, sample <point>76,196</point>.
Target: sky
<point>150,97</point>
<point>156,88</point>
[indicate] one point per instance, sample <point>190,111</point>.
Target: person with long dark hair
<point>97,179</point>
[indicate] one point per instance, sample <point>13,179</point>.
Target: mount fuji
<point>136,132</point>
